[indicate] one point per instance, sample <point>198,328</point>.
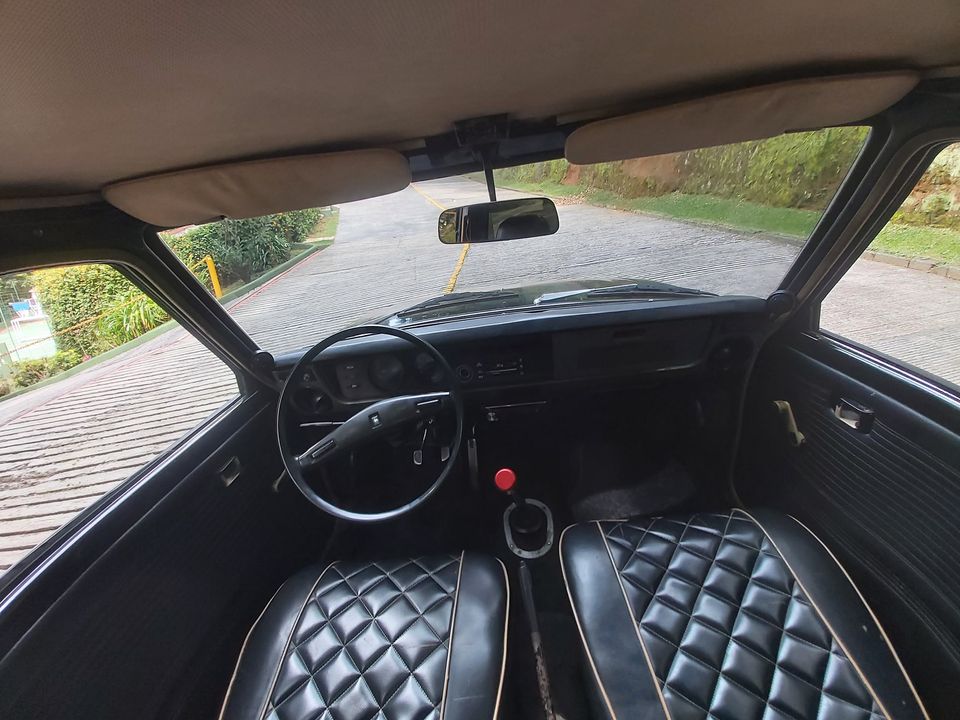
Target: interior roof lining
<point>96,94</point>
<point>545,142</point>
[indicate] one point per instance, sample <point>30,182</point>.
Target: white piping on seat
<point>293,629</point>
<point>453,618</point>
<point>506,627</point>
<point>823,618</point>
<point>583,639</point>
<point>636,625</point>
<point>243,649</point>
<point>876,621</point>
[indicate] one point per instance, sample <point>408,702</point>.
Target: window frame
<point>33,239</point>
<point>100,234</point>
<point>922,156</point>
<point>903,142</point>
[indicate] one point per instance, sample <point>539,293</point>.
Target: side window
<point>95,381</point>
<point>902,297</point>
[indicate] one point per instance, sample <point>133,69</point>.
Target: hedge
<point>71,295</point>
<point>245,249</point>
<point>241,249</point>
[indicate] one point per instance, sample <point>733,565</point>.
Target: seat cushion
<point>727,615</point>
<point>419,638</point>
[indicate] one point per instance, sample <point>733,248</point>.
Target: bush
<point>132,316</point>
<point>30,372</point>
<point>296,226</point>
<point>245,249</point>
<point>74,295</point>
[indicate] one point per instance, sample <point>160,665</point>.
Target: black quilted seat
<point>404,639</point>
<point>729,615</point>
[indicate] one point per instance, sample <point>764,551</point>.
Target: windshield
<point>723,220</point>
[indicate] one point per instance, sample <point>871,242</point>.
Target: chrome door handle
<point>854,415</point>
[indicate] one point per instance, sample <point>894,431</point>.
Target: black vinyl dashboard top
<point>547,345</point>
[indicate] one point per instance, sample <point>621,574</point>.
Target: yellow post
<point>214,278</point>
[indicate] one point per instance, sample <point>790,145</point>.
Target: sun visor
<point>750,114</point>
<point>260,187</point>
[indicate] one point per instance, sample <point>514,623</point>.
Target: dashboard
<point>549,350</point>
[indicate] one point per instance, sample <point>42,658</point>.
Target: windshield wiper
<point>631,290</point>
<point>464,298</point>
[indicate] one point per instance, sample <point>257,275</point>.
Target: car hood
<point>512,297</point>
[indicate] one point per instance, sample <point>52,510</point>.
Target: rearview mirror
<point>502,220</point>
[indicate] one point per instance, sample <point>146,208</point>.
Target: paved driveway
<point>66,444</point>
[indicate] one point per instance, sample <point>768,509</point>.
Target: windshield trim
<point>530,309</point>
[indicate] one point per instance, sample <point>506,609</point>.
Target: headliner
<point>93,93</point>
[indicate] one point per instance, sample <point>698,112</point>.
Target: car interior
<point>678,505</point>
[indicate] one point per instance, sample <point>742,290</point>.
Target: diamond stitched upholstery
<point>371,642</point>
<point>728,630</point>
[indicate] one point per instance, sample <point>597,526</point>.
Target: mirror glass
<point>501,220</point>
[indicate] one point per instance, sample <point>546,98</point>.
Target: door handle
<point>854,415</point>
<point>797,438</point>
<point>230,471</point>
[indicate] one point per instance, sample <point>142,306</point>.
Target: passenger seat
<point>730,615</point>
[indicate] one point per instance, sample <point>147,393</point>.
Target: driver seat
<point>414,638</point>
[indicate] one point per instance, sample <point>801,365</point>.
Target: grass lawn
<point>327,227</point>
<point>739,215</point>
<point>941,245</point>
<point>702,208</point>
<point>933,243</point>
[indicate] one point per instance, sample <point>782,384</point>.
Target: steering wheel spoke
<point>372,422</point>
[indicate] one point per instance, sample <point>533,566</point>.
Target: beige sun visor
<point>749,114</point>
<point>260,187</point>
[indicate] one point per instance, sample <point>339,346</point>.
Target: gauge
<point>428,368</point>
<point>386,372</point>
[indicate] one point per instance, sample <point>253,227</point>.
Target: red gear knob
<point>505,479</point>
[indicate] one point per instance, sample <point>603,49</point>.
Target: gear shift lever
<point>527,521</point>
<point>506,481</point>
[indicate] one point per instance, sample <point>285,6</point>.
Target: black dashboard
<point>547,350</point>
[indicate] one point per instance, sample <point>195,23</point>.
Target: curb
<point>952,272</point>
<point>227,301</point>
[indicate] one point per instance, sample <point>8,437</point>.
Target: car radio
<point>491,368</point>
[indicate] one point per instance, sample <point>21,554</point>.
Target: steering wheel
<point>371,423</point>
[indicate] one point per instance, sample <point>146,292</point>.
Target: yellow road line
<point>455,275</point>
<point>452,282</point>
<point>429,199</point>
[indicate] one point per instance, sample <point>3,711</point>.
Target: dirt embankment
<point>663,170</point>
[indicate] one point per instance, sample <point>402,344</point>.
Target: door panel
<point>152,626</point>
<point>885,498</point>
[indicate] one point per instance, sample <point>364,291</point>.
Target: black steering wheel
<point>372,422</point>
